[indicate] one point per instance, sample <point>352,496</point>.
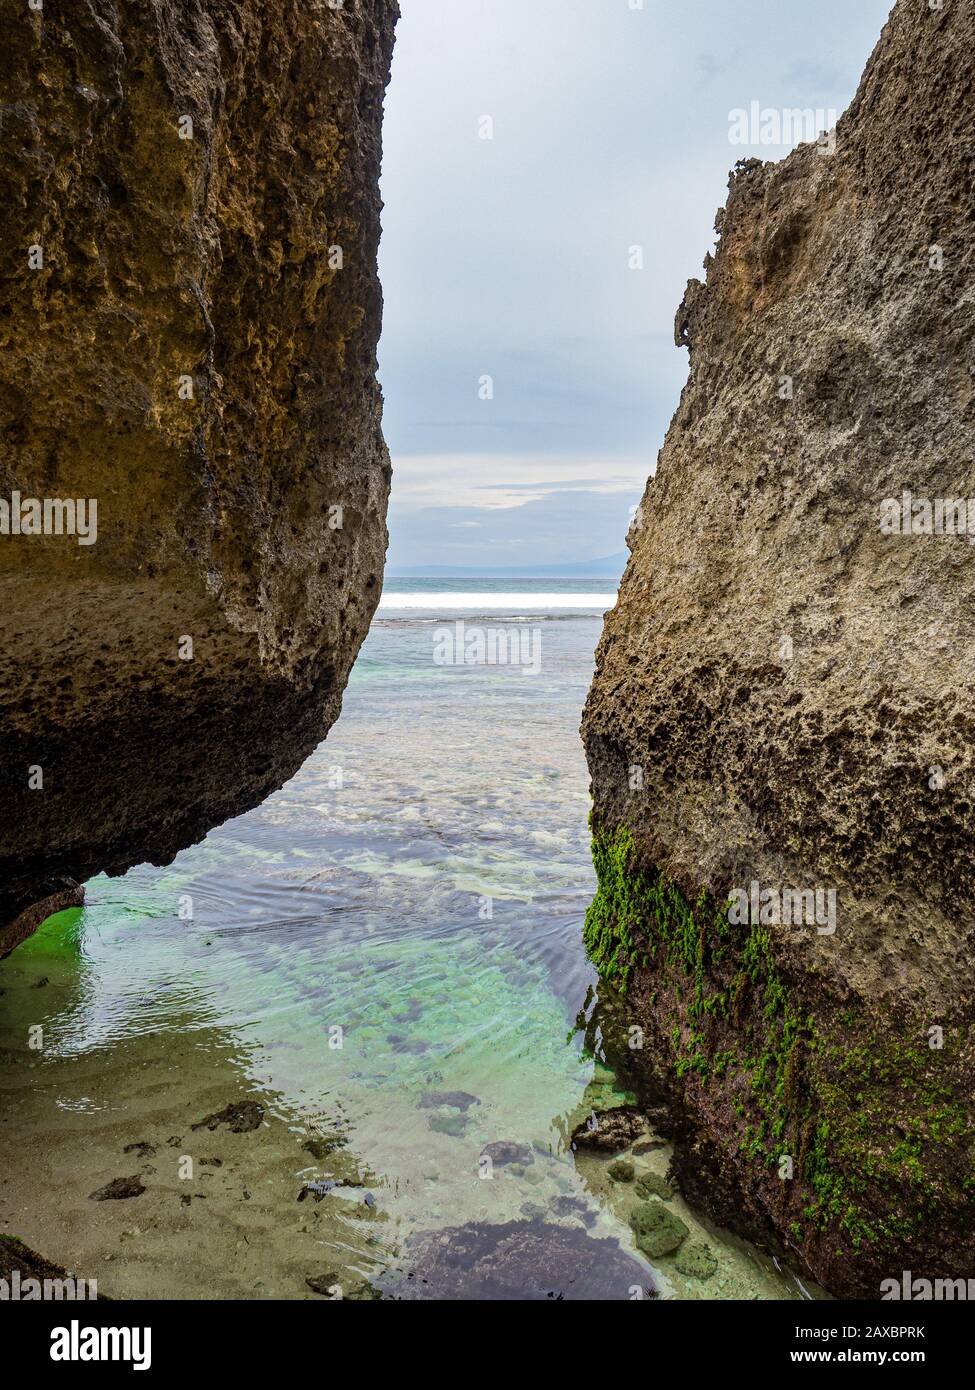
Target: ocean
<point>344,1042</point>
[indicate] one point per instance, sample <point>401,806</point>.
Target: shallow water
<point>386,956</point>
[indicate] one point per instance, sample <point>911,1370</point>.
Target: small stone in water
<point>118,1189</point>
<point>653,1185</point>
<point>658,1231</point>
<point>622,1170</point>
<point>696,1260</point>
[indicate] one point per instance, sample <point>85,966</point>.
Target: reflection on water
<point>385,962</point>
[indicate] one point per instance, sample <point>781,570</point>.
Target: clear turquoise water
<point>403,917</point>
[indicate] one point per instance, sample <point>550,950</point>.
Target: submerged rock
<point>568,1206</point>
<point>609,1131</point>
<point>190,310</point>
<point>621,1170</point>
<point>695,1260</point>
<point>240,1117</point>
<point>784,702</point>
<point>653,1185</point>
<point>324,1146</point>
<point>504,1151</point>
<point>119,1189</point>
<point>527,1260</point>
<point>456,1100</point>
<point>143,1149</point>
<point>648,1146</point>
<point>448,1124</point>
<point>658,1231</point>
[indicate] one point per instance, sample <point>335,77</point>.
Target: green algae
<point>815,1098</point>
<point>58,935</point>
<point>622,1170</point>
<point>695,1260</point>
<point>658,1231</point>
<point>653,1185</point>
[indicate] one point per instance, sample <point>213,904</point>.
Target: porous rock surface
<point>786,695</point>
<point>196,352</point>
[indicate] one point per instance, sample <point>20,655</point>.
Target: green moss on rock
<point>653,1185</point>
<point>695,1260</point>
<point>849,1123</point>
<point>658,1231</point>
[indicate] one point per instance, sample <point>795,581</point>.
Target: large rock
<point>198,180</point>
<point>785,695</point>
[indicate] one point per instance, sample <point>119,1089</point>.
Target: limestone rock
<point>610,1130</point>
<point>621,1170</point>
<point>695,1260</point>
<point>653,1185</point>
<point>189,312</point>
<point>658,1231</point>
<point>785,695</point>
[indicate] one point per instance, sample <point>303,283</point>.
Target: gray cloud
<point>509,257</point>
<point>562,526</point>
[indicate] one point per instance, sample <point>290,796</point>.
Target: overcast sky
<point>509,257</point>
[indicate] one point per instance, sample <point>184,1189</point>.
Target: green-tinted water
<point>386,958</point>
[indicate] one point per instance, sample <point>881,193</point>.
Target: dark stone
<point>525,1260</point>
<point>143,1149</point>
<point>503,1151</point>
<point>622,1170</point>
<point>458,1100</point>
<point>119,1189</point>
<point>15,1255</point>
<point>610,1131</point>
<point>573,1206</point>
<point>321,1148</point>
<point>653,1185</point>
<point>240,1118</point>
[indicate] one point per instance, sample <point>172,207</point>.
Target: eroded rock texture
<point>238,264</point>
<point>784,694</point>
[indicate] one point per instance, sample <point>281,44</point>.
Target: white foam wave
<point>532,603</point>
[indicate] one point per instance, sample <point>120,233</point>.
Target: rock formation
<point>189,312</point>
<point>785,696</point>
